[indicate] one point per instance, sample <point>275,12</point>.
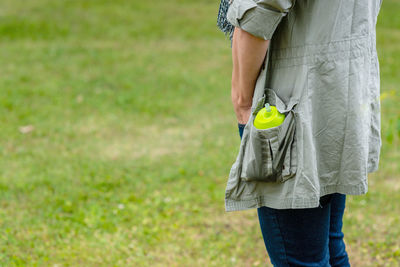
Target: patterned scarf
<point>222,23</point>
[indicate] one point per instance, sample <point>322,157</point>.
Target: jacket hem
<point>297,202</point>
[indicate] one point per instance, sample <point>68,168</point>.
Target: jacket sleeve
<point>258,17</point>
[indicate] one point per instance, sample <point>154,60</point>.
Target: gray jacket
<point>323,74</point>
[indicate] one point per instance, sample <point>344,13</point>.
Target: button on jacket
<point>323,74</point>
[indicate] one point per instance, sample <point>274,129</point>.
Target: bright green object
<point>268,117</point>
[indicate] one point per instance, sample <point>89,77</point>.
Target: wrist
<point>243,115</point>
<point>241,102</point>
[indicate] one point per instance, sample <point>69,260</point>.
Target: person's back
<point>327,48</point>
<point>323,57</point>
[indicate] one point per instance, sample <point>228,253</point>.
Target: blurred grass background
<point>118,134</point>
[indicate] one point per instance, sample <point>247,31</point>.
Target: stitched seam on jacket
<point>324,44</point>
<point>284,53</point>
<point>318,57</point>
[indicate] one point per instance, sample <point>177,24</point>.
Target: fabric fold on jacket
<point>260,18</point>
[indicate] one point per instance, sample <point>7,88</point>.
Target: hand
<point>242,114</point>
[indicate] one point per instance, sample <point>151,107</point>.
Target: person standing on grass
<point>322,56</point>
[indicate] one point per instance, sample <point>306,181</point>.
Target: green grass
<point>134,135</point>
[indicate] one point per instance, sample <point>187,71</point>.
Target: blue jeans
<point>305,237</point>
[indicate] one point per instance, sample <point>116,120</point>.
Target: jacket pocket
<point>270,155</point>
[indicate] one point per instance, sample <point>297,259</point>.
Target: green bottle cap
<point>268,117</point>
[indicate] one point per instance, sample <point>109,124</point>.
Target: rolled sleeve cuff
<point>254,19</point>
